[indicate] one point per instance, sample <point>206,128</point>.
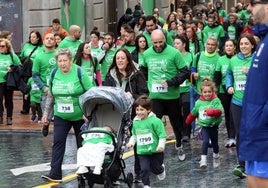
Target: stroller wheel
<point>81,181</point>
<point>129,180</point>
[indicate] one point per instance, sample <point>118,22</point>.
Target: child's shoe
<point>97,170</point>
<point>203,162</point>
<point>82,170</point>
<point>146,186</point>
<point>33,118</point>
<point>162,176</point>
<point>230,143</point>
<point>180,152</point>
<point>216,160</point>
<point>39,119</point>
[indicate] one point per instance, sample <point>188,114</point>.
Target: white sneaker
<point>97,170</point>
<point>216,155</point>
<point>162,176</point>
<point>146,186</point>
<point>203,162</point>
<point>82,170</point>
<point>216,162</point>
<point>230,143</point>
<point>180,152</point>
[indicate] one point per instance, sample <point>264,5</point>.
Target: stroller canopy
<point>106,95</point>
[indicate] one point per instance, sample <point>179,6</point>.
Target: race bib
<point>145,139</point>
<point>65,105</point>
<point>203,116</point>
<point>158,88</point>
<point>240,85</point>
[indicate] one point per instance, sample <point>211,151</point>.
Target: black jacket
<point>136,83</point>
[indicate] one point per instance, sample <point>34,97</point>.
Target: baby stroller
<point>107,106</point>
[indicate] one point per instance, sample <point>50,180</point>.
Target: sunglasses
<point>253,3</point>
<point>2,46</point>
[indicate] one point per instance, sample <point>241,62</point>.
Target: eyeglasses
<point>253,3</point>
<point>2,46</point>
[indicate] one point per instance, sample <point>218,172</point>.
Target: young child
<point>208,110</point>
<point>148,132</point>
<point>92,153</point>
<point>35,99</point>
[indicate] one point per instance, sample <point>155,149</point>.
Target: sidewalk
<point>20,122</point>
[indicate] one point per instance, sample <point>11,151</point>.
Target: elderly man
<point>166,71</point>
<point>254,123</point>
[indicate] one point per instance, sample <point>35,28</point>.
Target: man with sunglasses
<point>254,122</point>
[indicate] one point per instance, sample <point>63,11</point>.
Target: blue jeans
<point>212,134</point>
<point>61,130</point>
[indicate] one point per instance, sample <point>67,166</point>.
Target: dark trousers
<point>185,106</point>
<point>226,103</point>
<point>26,104</point>
<point>210,133</point>
<point>151,163</point>
<point>8,96</point>
<point>36,109</point>
<point>236,115</point>
<point>172,109</point>
<point>61,130</point>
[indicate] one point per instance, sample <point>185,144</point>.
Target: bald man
<point>73,40</point>
<point>166,70</point>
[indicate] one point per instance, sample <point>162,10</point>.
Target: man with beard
<point>43,65</point>
<point>129,38</point>
<point>151,25</point>
<point>166,71</point>
<point>108,51</point>
<point>73,40</point>
<point>254,123</point>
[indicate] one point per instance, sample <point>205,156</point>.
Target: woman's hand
<point>45,120</point>
<point>230,90</point>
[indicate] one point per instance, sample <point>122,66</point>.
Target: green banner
<point>72,13</point>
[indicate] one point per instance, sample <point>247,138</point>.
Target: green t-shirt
<point>66,89</point>
<point>192,47</point>
<point>205,67</point>
<point>185,86</point>
<point>107,61</point>
<point>213,32</point>
<point>5,62</point>
<point>95,138</point>
<point>35,92</point>
<point>130,48</point>
<point>163,66</point>
<point>148,132</point>
<point>43,64</point>
<point>201,106</point>
<point>28,48</point>
<point>222,65</point>
<point>70,44</point>
<point>89,69</point>
<point>236,69</point>
<point>232,32</point>
<point>95,51</point>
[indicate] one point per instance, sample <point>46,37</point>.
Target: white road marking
<point>39,168</point>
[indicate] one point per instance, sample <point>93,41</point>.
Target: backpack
<point>79,74</point>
